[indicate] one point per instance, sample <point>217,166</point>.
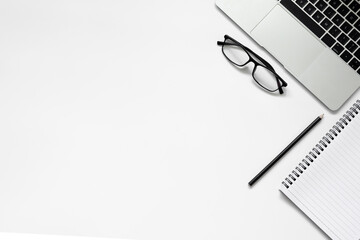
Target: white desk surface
<point>32,236</point>
<point>123,119</point>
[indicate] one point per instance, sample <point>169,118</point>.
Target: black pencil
<point>272,163</point>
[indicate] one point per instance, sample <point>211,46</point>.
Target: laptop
<point>317,41</point>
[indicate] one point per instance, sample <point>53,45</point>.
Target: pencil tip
<point>321,116</point>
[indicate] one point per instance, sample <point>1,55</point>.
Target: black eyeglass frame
<point>280,82</point>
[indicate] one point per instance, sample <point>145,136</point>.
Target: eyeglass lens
<point>265,78</point>
<point>262,75</point>
<point>235,53</point>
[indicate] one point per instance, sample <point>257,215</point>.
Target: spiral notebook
<point>325,185</point>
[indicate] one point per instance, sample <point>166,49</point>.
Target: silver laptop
<point>317,41</point>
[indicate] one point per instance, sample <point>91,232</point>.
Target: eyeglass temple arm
<point>260,58</point>
<point>220,43</point>
<point>248,49</point>
<point>267,65</point>
<point>281,91</point>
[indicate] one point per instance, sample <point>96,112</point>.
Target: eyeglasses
<point>263,73</point>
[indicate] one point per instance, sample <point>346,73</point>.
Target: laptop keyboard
<point>335,22</point>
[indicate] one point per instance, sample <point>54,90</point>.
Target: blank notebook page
<point>326,183</point>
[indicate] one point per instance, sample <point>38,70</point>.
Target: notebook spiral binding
<point>323,143</point>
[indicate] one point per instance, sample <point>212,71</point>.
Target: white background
<point>123,119</point>
<point>30,236</point>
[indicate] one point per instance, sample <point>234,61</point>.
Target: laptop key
<point>303,17</point>
<point>343,39</point>
<point>335,3</point>
<point>357,25</point>
<point>354,35</point>
<point>321,5</point>
<point>346,1</point>
<point>354,6</point>
<point>351,46</point>
<point>326,24</point>
<point>337,20</point>
<point>346,56</point>
<point>357,54</point>
<point>328,40</point>
<point>351,17</point>
<point>329,12</point>
<point>338,48</point>
<point>354,63</point>
<point>301,3</point>
<point>334,31</point>
<point>310,9</point>
<point>318,16</point>
<point>343,10</point>
<point>346,27</point>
